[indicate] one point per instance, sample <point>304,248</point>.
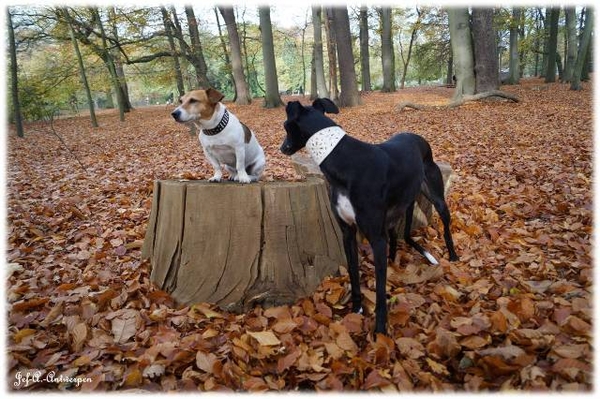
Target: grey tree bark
<point>108,60</point>
<point>349,95</point>
<point>14,77</point>
<point>272,99</point>
<point>552,46</point>
<point>176,64</point>
<point>387,50</point>
<point>117,60</point>
<point>197,54</point>
<point>571,22</point>
<point>81,66</point>
<point>319,63</point>
<point>365,69</point>
<point>241,87</point>
<point>584,47</point>
<point>331,55</point>
<point>413,36</point>
<point>484,43</point>
<point>462,51</point>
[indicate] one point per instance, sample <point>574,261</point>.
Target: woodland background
<point>514,313</point>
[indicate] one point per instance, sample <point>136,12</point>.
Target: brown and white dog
<point>225,140</point>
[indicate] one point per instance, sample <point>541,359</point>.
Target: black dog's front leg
<point>350,247</point>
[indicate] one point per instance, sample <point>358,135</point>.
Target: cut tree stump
<point>236,245</point>
<point>423,212</point>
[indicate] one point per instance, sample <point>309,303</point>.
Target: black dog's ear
<point>293,110</point>
<point>325,105</point>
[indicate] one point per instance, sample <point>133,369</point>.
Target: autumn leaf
<point>206,361</point>
<point>265,338</point>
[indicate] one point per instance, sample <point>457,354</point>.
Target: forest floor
<point>515,313</point>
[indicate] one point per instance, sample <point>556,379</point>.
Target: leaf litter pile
<point>514,313</point>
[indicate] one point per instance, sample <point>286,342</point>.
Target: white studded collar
<point>320,144</point>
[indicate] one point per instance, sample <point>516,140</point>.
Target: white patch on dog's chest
<point>345,210</point>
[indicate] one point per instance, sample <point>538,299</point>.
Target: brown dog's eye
<point>193,100</point>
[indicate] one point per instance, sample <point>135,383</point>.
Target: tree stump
<point>236,245</point>
<point>423,211</point>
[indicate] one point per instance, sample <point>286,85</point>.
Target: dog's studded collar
<point>320,144</point>
<point>219,128</point>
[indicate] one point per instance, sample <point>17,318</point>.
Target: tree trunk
<point>318,52</point>
<point>272,99</point>
<point>241,87</point>
<point>313,78</point>
<point>331,55</point>
<point>413,36</point>
<point>365,70</point>
<point>387,51</point>
<point>108,60</point>
<point>571,22</point>
<point>349,96</point>
<point>586,39</point>
<point>14,77</point>
<point>224,47</point>
<point>514,75</point>
<point>117,60</point>
<point>552,45</point>
<point>197,55</point>
<point>176,65</point>
<point>84,80</point>
<point>462,51</point>
<point>484,43</point>
<point>234,245</point>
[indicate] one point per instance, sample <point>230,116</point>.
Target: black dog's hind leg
<point>351,250</point>
<point>434,191</point>
<point>393,243</point>
<point>407,228</point>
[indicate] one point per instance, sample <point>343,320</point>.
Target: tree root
<point>459,102</point>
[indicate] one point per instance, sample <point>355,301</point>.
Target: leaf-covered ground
<point>514,313</point>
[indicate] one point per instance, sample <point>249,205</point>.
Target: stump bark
<point>236,245</point>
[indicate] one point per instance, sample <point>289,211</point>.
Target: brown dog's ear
<point>214,95</point>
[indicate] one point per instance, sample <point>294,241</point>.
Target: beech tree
<point>365,70</point>
<point>349,96</point>
<point>84,80</point>
<point>462,51</point>
<point>387,50</point>
<point>514,72</point>
<point>552,44</point>
<point>571,57</point>
<point>176,64</point>
<point>196,53</point>
<point>484,45</point>
<point>584,47</point>
<point>331,54</point>
<point>14,77</point>
<point>239,78</point>
<point>319,63</point>
<point>272,98</point>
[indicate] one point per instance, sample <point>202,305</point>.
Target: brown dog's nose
<point>175,114</point>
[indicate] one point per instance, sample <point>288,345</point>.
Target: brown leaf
<point>265,338</point>
<point>410,347</point>
<point>284,363</point>
<point>206,361</point>
<point>79,336</point>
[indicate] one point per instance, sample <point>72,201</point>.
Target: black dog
<point>372,187</point>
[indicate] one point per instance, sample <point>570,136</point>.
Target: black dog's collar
<point>219,128</point>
